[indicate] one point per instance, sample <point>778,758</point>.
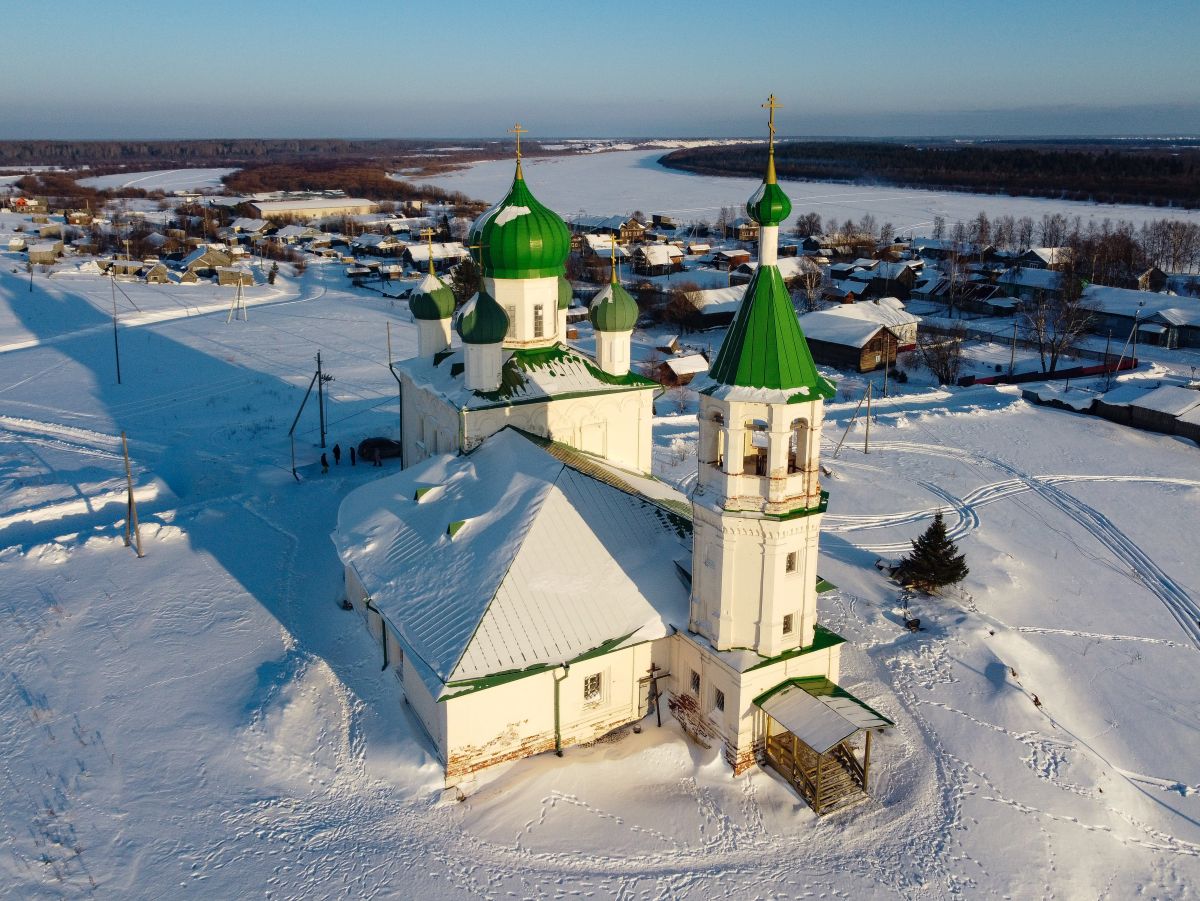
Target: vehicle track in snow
<point>1140,566</point>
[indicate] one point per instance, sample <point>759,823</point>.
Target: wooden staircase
<point>828,782</point>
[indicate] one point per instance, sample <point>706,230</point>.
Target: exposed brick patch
<point>694,722</point>
<point>505,747</point>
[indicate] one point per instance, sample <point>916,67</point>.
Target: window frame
<point>791,563</point>
<point>593,695</point>
<point>695,684</point>
<point>789,623</point>
<point>718,699</point>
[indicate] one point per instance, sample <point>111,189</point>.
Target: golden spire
<point>771,105</point>
<point>613,252</point>
<point>518,131</point>
<point>427,234</point>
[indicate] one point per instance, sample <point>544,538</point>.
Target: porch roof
<point>820,713</point>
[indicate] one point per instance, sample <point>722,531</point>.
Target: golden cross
<point>772,105</point>
<point>427,234</point>
<point>613,251</point>
<point>518,131</point>
<point>478,247</point>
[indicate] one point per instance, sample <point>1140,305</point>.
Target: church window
<point>695,683</point>
<point>719,699</point>
<point>512,320</point>
<point>793,560</point>
<point>591,688</point>
<point>788,621</point>
<point>538,321</point>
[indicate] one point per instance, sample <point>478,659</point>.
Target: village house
<point>1153,279</point>
<point>202,263</point>
<point>729,259</point>
<point>1030,285</point>
<point>1045,257</point>
<point>378,245</point>
<point>444,255</point>
<point>848,342</point>
<point>716,306</point>
<point>45,252</point>
<point>1166,320</point>
<point>657,259</point>
<point>681,370</point>
<point>742,230</point>
<point>233,275</point>
<point>532,589</point>
<point>311,208</point>
<point>628,229</point>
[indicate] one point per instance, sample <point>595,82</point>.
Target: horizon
<point>283,71</point>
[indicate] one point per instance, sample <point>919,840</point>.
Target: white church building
<point>533,587</point>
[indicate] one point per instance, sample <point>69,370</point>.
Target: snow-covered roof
<point>687,365</point>
<point>1170,399</point>
<point>602,245</point>
<point>887,311</point>
<point>547,564</point>
<point>1128,302</point>
<point>248,225</point>
<point>613,222</point>
<point>316,203</point>
<point>819,713</point>
<point>711,301</point>
<point>450,250</point>
<point>827,325</point>
<point>528,376</point>
<point>1040,279</point>
<point>660,254</point>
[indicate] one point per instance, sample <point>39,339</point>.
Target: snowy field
<point>206,722</point>
<point>624,181</point>
<point>167,180</point>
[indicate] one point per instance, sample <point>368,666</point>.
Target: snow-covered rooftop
<point>517,584</point>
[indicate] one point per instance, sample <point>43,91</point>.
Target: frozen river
<point>623,181</point>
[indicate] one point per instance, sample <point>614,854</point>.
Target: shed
<point>681,370</point>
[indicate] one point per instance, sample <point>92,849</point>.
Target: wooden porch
<point>811,739</point>
<point>827,782</point>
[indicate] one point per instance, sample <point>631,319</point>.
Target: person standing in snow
<point>337,455</point>
<point>378,457</point>
<point>352,455</point>
<point>324,463</point>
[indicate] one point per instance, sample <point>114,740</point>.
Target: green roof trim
<point>821,507</point>
<point>565,292</point>
<point>765,346</point>
<point>473,685</point>
<point>521,238</point>
<point>819,686</point>
<point>512,374</point>
<point>422,491</point>
<point>824,585</point>
<point>455,527</point>
<point>822,639</point>
<point>484,321</point>
<point>613,310</point>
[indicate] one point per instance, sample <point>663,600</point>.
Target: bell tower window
<point>538,321</point>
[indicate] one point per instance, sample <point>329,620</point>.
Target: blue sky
<point>135,69</point>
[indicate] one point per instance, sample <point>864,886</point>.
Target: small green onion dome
<point>613,310</point>
<point>521,238</point>
<point>769,205</point>
<point>431,299</point>
<point>483,321</point>
<point>565,292</point>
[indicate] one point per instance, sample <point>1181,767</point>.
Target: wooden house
<point>742,230</point>
<point>849,343</point>
<point>681,370</point>
<point>657,259</point>
<point>1153,279</point>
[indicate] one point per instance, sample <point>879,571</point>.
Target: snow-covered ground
<point>206,722</point>
<point>623,181</point>
<point>160,180</point>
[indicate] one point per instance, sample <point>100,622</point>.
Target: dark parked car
<point>386,447</point>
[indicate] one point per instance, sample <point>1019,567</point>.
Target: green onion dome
<point>769,205</point>
<point>520,238</point>
<point>483,321</point>
<point>431,299</point>
<point>613,310</point>
<point>565,292</point>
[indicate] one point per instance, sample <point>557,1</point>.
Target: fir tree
<point>934,561</point>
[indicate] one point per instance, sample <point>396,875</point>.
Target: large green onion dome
<point>520,238</point>
<point>483,321</point>
<point>769,205</point>
<point>613,310</point>
<point>431,299</point>
<point>565,292</point>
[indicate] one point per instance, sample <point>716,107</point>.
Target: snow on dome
<point>509,213</point>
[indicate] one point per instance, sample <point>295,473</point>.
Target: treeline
<point>73,154</point>
<point>1155,176</point>
<point>358,178</point>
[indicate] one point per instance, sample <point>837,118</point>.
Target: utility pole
<point>1012,356</point>
<point>130,503</point>
<point>321,397</point>
<point>867,438</point>
<point>399,387</point>
<point>887,353</point>
<point>116,343</point>
<point>1107,368</point>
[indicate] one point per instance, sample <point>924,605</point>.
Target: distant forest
<point>358,178</point>
<point>1160,176</point>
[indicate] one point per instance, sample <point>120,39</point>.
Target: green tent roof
<point>521,238</point>
<point>613,310</point>
<point>765,347</point>
<point>483,320</point>
<point>431,299</point>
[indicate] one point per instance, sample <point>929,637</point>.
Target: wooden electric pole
<point>131,516</point>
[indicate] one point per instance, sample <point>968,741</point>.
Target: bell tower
<point>758,501</point>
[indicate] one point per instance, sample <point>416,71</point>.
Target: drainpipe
<point>566,669</point>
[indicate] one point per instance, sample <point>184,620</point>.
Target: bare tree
<point>942,355</point>
<point>939,227</point>
<point>1054,320</point>
<point>1024,235</point>
<point>810,283</point>
<point>808,224</point>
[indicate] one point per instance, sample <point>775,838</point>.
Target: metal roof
<point>818,712</point>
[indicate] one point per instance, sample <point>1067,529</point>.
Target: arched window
<point>755,454</point>
<point>798,445</point>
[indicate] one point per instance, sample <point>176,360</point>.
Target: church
<point>529,582</point>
